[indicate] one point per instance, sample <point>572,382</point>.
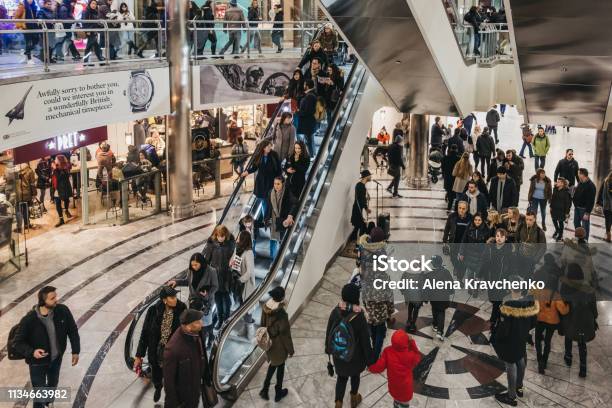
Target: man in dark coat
<point>515,166</point>
<point>456,225</point>
<point>439,298</point>
<point>448,164</point>
<point>161,320</point>
<point>517,317</point>
<point>359,204</point>
<point>456,140</point>
<point>568,168</point>
<point>480,205</point>
<point>493,120</point>
<point>363,355</point>
<point>42,337</point>
<point>584,201</point>
<point>485,148</point>
<point>437,133</point>
<point>499,262</point>
<point>394,157</point>
<point>186,367</point>
<point>502,191</point>
<point>307,123</point>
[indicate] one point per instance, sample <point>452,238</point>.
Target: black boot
<point>568,359</point>
<point>264,392</point>
<point>60,223</point>
<point>280,393</point>
<point>157,394</point>
<point>583,371</point>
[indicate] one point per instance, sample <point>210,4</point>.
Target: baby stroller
<point>435,164</point>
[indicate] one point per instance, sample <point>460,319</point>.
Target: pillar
<point>603,155</point>
<point>418,151</point>
<point>179,138</point>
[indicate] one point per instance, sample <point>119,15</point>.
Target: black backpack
<point>11,346</point>
<point>341,341</point>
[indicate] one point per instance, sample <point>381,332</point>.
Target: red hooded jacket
<point>399,359</point>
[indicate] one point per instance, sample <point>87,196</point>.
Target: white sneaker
<point>31,62</point>
<point>440,337</point>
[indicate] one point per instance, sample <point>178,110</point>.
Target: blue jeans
<point>277,37</point>
<point>540,162</point>
<point>273,248</point>
<point>224,305</point>
<point>579,222</point>
<point>45,375</point>
<point>378,333</point>
<point>525,144</point>
<point>539,202</point>
<point>476,42</point>
<point>502,108</point>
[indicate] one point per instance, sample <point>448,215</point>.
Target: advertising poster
<point>32,111</point>
<point>254,82</point>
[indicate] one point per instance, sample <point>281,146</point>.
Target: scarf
<point>277,199</point>
<point>473,202</point>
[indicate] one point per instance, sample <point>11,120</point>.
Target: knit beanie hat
<point>277,294</point>
<point>377,235</point>
<point>350,294</point>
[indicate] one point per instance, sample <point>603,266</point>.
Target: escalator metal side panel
<point>387,39</point>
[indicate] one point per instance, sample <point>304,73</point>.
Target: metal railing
<point>47,43</point>
<point>139,185</point>
<point>490,45</point>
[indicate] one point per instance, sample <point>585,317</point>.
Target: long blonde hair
<point>463,168</point>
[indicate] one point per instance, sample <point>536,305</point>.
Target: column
<point>179,137</point>
<point>603,155</point>
<point>418,152</point>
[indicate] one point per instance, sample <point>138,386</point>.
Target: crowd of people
<point>130,37</point>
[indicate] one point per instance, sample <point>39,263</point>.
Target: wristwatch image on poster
<point>140,90</point>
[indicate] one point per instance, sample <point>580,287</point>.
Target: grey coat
<point>284,140</point>
<point>208,279</point>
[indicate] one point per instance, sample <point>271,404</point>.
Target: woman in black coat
<point>43,180</point>
<point>218,252</point>
<point>267,164</point>
<point>472,248</point>
<point>296,167</point>
<point>92,13</point>
<point>363,354</point>
<point>62,190</point>
<point>499,260</point>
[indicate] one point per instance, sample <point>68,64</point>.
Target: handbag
<point>35,209</point>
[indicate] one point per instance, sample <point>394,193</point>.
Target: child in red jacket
<point>399,359</point>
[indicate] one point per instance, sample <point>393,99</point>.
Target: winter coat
<point>25,186</point>
<point>360,203</point>
<point>440,298</point>
<point>43,174</point>
<point>492,118</point>
<point>363,354</point>
<point>551,306</point>
<point>307,122</point>
<point>472,246</point>
<point>532,241</point>
<point>436,135</point>
<point>517,318</point>
<point>485,145</point>
<point>541,145</point>
<point>150,335</point>
<point>457,141</point>
<point>367,252</point>
<point>584,195</point>
<point>247,272</point>
<point>509,195</point>
<point>209,282</point>
<point>568,169</point>
<point>253,14</point>
<point>516,170</point>
<point>284,140</point>
<point>274,317</point>
<point>448,164</point>
<point>151,154</point>
<point>399,359</point>
<point>581,253</point>
<point>547,188</point>
<point>581,321</point>
<point>604,197</point>
<point>32,334</point>
<point>498,263</point>
<point>60,180</point>
<point>513,228</point>
<point>279,211</point>
<point>105,159</point>
<point>238,149</point>
<point>297,180</point>
<point>329,42</point>
<point>450,230</point>
<point>394,156</point>
<point>481,202</point>
<point>560,203</point>
<point>234,16</point>
<point>311,54</point>
<point>266,170</point>
<point>218,255</point>
<point>185,370</point>
<point>461,180</point>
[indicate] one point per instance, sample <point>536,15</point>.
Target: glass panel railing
<point>482,36</point>
<point>234,352</point>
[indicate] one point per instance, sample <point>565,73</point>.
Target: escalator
<point>233,353</point>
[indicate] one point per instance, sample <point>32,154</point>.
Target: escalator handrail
<point>236,191</point>
<point>250,302</point>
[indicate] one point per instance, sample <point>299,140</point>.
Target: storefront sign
<point>30,111</point>
<point>232,84</point>
<point>59,144</point>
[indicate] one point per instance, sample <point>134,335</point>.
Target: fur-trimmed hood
<point>271,306</point>
<point>371,246</point>
<point>523,307</point>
